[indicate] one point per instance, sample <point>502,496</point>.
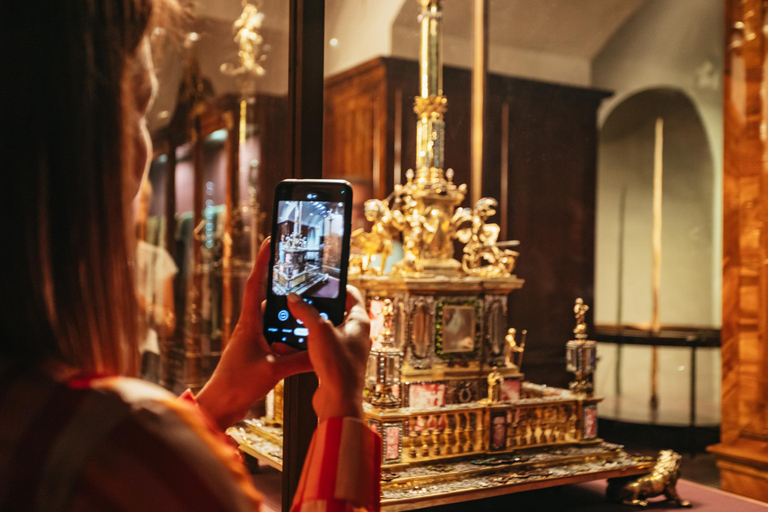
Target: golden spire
<point>426,207</point>
<point>429,197</point>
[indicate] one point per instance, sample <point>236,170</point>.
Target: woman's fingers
<point>355,305</point>
<point>305,312</point>
<point>357,322</point>
<point>354,297</point>
<point>291,364</point>
<point>282,349</point>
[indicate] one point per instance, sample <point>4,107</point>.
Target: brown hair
<point>67,285</point>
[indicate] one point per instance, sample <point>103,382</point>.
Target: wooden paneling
<point>355,125</point>
<point>552,141</point>
<point>551,148</point>
<point>743,451</point>
<point>275,164</point>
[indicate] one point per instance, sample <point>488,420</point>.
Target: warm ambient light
<point>334,42</point>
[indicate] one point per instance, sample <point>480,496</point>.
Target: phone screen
<point>307,251</point>
<point>310,255</point>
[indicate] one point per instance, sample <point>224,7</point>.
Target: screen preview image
<point>308,250</point>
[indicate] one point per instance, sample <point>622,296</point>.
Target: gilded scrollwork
<point>431,105</point>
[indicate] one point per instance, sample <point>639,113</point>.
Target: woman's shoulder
<point>133,393</point>
<point>116,441</point>
<point>173,456</point>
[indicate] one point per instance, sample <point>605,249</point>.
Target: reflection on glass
<point>458,329</point>
<point>371,371</point>
<point>496,328</point>
<point>421,331</point>
<point>400,326</point>
<point>376,316</point>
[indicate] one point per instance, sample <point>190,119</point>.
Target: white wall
<point>365,29</point>
<point>668,44</point>
<point>504,60</point>
<point>361,29</point>
<point>676,44</point>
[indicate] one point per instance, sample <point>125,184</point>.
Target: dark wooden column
<point>170,246</point>
<point>305,97</point>
<point>232,120</point>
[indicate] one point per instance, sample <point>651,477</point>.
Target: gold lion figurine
<point>633,490</point>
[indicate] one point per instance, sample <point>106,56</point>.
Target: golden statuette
<point>662,480</point>
<point>580,311</point>
<point>513,353</point>
<point>581,353</point>
<point>494,386</point>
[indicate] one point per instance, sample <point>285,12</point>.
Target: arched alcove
<point>624,257</point>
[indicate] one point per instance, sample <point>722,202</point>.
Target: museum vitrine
<point>502,170</point>
<point>445,387</point>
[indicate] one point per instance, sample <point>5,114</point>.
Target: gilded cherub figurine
<point>580,310</point>
<point>482,254</point>
<point>415,230</point>
<point>379,240</point>
<point>512,350</point>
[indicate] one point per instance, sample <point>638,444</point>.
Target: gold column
<point>479,69</point>
<point>431,104</point>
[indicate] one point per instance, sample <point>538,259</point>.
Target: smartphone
<point>309,255</point>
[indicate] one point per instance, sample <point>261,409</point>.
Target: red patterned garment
<point>115,443</point>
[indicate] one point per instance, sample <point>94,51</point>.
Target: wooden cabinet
<point>540,151</point>
<point>743,451</point>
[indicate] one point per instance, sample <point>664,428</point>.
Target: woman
<point>74,435</point>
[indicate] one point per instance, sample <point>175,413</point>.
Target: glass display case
<point>459,139</point>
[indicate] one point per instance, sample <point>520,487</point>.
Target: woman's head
<point>77,83</point>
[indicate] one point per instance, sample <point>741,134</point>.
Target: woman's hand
<point>249,368</point>
<point>338,355</point>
